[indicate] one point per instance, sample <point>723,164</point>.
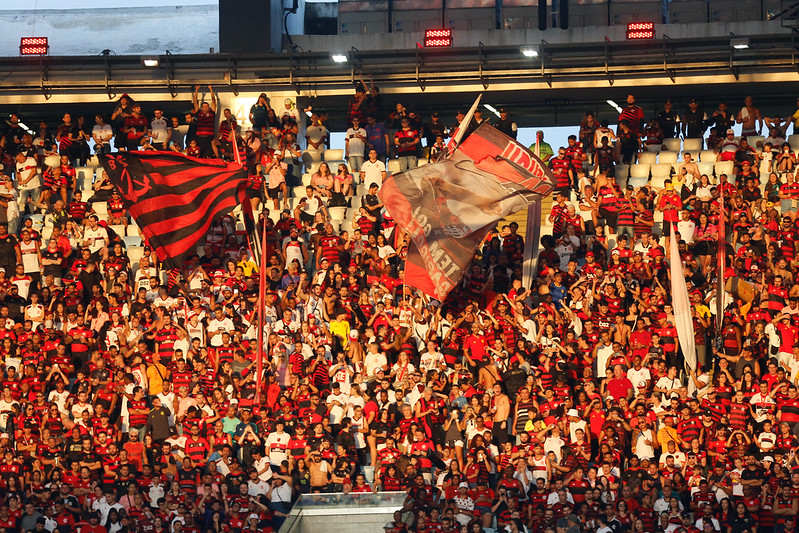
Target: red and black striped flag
<point>175,198</point>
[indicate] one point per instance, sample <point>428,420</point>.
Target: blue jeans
<point>24,194</point>
<point>407,162</point>
<point>355,164</point>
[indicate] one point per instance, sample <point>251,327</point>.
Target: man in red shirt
<point>620,386</point>
<point>474,348</point>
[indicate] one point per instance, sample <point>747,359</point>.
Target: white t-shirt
<point>96,238</point>
<point>159,129</point>
<point>637,376</point>
<point>373,172</point>
<point>225,324</point>
<point>23,169</point>
<point>104,132</point>
<point>355,144</point>
<point>686,229</point>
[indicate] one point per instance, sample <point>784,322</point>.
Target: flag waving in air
<point>448,207</point>
<point>175,198</point>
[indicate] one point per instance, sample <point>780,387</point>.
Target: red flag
<point>175,198</point>
<point>449,206</point>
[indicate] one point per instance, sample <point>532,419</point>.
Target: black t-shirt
<point>8,255</point>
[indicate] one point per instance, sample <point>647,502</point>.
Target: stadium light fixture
<point>150,61</point>
<point>438,38</point>
<point>640,31</point>
<point>33,46</point>
<point>739,43</point>
<point>530,51</point>
<point>339,57</point>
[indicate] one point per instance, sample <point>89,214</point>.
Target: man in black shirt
<point>693,124</point>
<point>373,205</point>
<point>505,124</point>
<point>9,251</point>
<point>668,120</point>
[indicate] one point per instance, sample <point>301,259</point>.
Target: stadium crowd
<point>128,399</point>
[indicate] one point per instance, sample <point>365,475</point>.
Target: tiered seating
<point>672,145</point>
<point>692,145</point>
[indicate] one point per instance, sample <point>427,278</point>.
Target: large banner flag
<point>721,256</point>
<point>683,320</point>
<point>448,207</point>
<point>175,198</point>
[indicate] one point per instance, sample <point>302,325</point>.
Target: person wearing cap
<point>668,119</point>
<point>693,121</point>
<point>505,123</point>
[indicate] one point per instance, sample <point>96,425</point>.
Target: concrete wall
<point>190,29</point>
<point>408,40</point>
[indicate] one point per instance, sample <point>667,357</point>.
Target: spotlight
<point>33,46</point>
<point>530,51</point>
<point>150,61</point>
<point>438,38</point>
<point>637,31</point>
<point>740,43</point>
<point>339,57</point>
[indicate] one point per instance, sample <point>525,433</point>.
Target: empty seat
<point>338,213</point>
<point>723,167</point>
<point>85,184</point>
<point>706,167</point>
<point>346,225</point>
<point>422,162</point>
<point>647,158</point>
<point>639,170</point>
<point>136,252</point>
<point>306,179</point>
<point>82,173</point>
<point>393,166</point>
<point>658,182</point>
<point>119,229</point>
<point>667,157</point>
<point>753,140</point>
<point>793,140</point>
<point>693,145</point>
<point>652,148</point>
<point>672,145</point>
<point>100,209</point>
<point>637,181</point>
<point>132,240</point>
<point>46,232</point>
<point>708,156</point>
<point>661,170</point>
<point>334,154</point>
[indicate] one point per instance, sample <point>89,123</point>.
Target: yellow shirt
<point>342,329</point>
<point>155,379</point>
<point>248,266</point>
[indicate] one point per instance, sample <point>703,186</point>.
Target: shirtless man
<point>501,411</point>
<point>751,119</point>
<point>320,472</point>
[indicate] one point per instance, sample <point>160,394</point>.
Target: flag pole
<point>259,354</point>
